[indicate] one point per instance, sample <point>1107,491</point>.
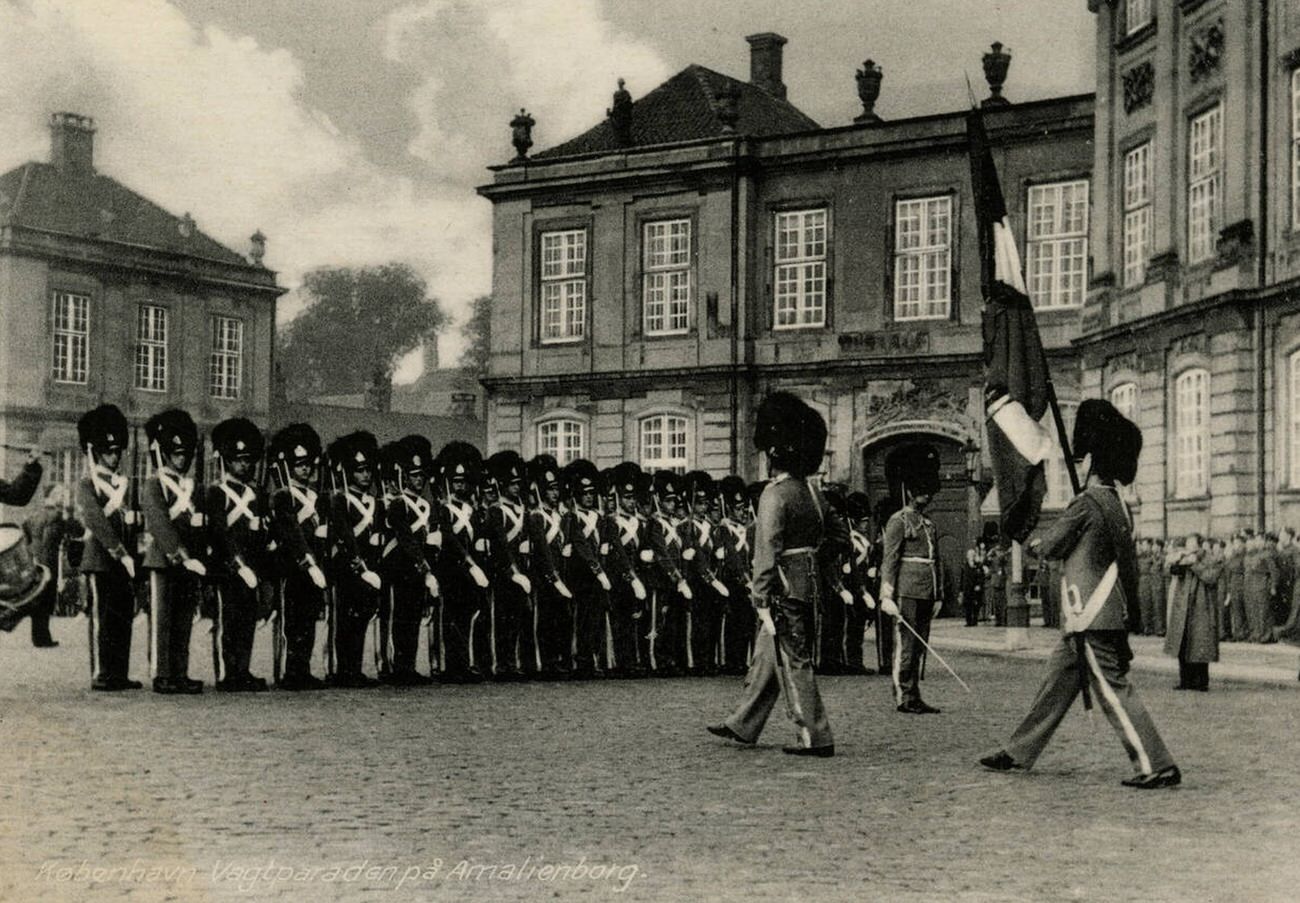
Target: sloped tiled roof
<point>86,204</point>
<point>684,108</point>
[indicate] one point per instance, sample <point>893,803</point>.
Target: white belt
<point>802,550</point>
<point>918,560</point>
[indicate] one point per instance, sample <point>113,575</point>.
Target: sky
<point>354,132</point>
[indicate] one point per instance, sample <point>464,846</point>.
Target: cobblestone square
<point>471,792</point>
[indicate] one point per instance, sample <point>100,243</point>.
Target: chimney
<point>72,142</point>
<point>765,62</point>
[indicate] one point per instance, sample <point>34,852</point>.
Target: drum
<point>21,578</point>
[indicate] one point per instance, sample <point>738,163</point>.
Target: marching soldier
<point>175,542</point>
<point>586,576</point>
<point>237,536</point>
<point>553,614</point>
<point>910,579</point>
<point>673,594</point>
<point>108,565</point>
<point>1094,540</point>
<point>414,543</point>
<point>357,525</point>
<point>735,564</point>
<point>300,532</point>
<point>789,528</point>
<point>858,578</point>
<point>628,616</point>
<point>704,615</point>
<point>467,633</point>
<point>506,529</point>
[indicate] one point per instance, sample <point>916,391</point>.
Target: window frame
<point>150,366</point>
<point>919,252</point>
<point>800,264</point>
<point>1136,203</point>
<point>1191,440</point>
<point>1295,149</point>
<point>217,354</point>
<point>1057,241</point>
<point>1202,243</point>
<point>541,280</point>
<point>1293,428</point>
<point>649,271</point>
<point>665,461</point>
<point>1133,25</point>
<point>70,335</point>
<point>1115,398</point>
<point>558,422</point>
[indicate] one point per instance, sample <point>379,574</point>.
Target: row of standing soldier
<point>509,568</point>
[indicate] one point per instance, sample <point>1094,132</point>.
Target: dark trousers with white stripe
<point>554,629</point>
<point>405,603</point>
<point>301,604</point>
<point>509,609</point>
<point>465,624</point>
<point>623,608</point>
<point>908,650</point>
<point>112,611</point>
<point>737,630</point>
<point>173,595</point>
<point>855,626</point>
<point>355,604</point>
<point>589,605</point>
<point>236,625</point>
<point>1106,660</point>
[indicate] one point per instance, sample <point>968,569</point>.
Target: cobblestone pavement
<point>241,797</point>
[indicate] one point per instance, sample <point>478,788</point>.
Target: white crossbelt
<point>364,505</point>
<point>110,486</point>
<point>306,499</point>
<point>182,490</point>
<point>240,502</point>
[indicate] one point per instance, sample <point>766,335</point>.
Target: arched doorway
<point>882,463</point>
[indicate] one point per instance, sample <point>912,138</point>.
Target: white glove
<point>246,574</point>
<point>647,555</point>
<point>869,599</point>
<point>720,588</point>
<point>638,589</point>
<point>372,579</point>
<point>317,576</point>
<point>684,590</point>
<point>846,596</point>
<point>603,579</point>
<point>871,572</point>
<point>889,607</point>
<point>562,589</point>
<point>769,626</point>
<point>567,550</point>
<point>479,577</point>
<point>688,555</point>
<point>194,566</point>
<point>523,582</point>
<point>846,568</point>
<point>431,584</point>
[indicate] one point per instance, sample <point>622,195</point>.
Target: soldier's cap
<point>544,471</point>
<point>296,444</point>
<point>699,485</point>
<point>667,485</point>
<point>459,459</point>
<point>580,476</point>
<point>505,466</point>
<point>791,432</point>
<point>1114,441</point>
<point>836,495</point>
<point>238,438</point>
<point>645,486</point>
<point>732,490</point>
<point>172,430</point>
<point>414,455</point>
<point>992,532</point>
<point>625,478</point>
<point>104,428</point>
<point>857,506</point>
<point>920,469</point>
<point>355,450</point>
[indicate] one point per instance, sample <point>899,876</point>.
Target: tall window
<point>564,285</point>
<point>1057,243</point>
<point>800,277</point>
<point>664,443</point>
<point>1137,214</point>
<point>1205,161</point>
<point>151,349</point>
<point>923,258</point>
<point>1124,398</point>
<point>1192,434</point>
<point>666,283</point>
<point>1137,13</point>
<point>1295,149</point>
<point>71,338</point>
<point>1294,382</point>
<point>226,367</point>
<point>562,439</point>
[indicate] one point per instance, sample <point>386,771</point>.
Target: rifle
<point>134,541</point>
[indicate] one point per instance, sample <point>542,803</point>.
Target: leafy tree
<point>358,322</point>
<point>477,331</point>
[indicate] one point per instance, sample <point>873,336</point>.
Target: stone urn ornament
<point>869,78</point>
<point>521,134</point>
<point>996,64</point>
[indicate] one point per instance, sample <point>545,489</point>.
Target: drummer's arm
<point>21,490</point>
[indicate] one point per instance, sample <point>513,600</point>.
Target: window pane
<point>799,281</point>
<point>923,258</point>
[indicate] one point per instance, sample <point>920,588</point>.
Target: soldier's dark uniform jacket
<point>550,555</point>
<point>463,554</point>
<point>586,574</point>
<point>510,559</point>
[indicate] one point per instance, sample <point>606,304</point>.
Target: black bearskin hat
<point>459,458</point>
<point>625,479</point>
<point>296,444</point>
<point>355,450</point>
<point>836,495</point>
<point>172,431</point>
<point>667,485</point>
<point>733,492</point>
<point>415,455</point>
<point>792,433</point>
<point>238,437</point>
<point>699,485</point>
<point>920,470</point>
<point>544,472</point>
<point>580,476</point>
<point>102,429</point>
<point>1114,441</point>
<point>857,506</point>
<point>505,467</point>
<point>755,492</point>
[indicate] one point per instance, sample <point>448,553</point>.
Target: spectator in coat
<point>1148,577</point>
<point>1261,587</point>
<point>47,530</point>
<point>1193,636</point>
<point>972,587</point>
<point>1236,570</point>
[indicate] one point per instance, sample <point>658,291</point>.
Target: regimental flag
<point>1015,370</point>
